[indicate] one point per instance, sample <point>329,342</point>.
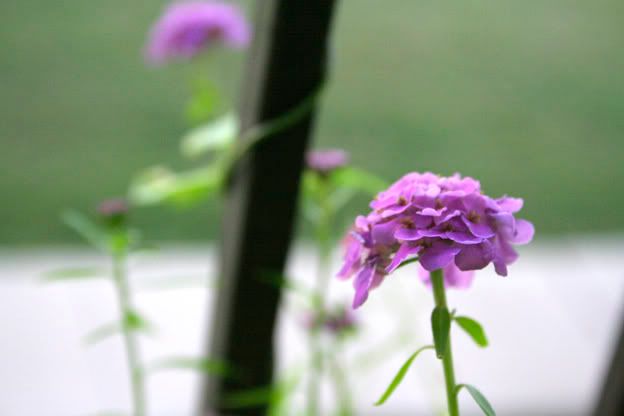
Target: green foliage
<point>477,103</point>
<point>358,180</point>
<point>216,135</point>
<point>441,325</point>
<point>202,104</point>
<point>132,322</point>
<point>401,375</point>
<point>161,185</point>
<point>91,232</point>
<point>73,273</point>
<point>472,328</point>
<point>478,397</point>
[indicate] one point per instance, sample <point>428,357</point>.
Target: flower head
<point>447,222</point>
<point>113,211</point>
<point>188,27</point>
<point>337,322</point>
<point>326,161</point>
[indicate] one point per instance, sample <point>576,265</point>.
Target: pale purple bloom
<point>186,28</point>
<point>453,276</point>
<point>326,161</point>
<point>337,322</point>
<point>113,207</point>
<point>447,222</point>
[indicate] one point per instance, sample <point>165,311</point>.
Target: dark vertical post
<point>611,400</point>
<point>286,65</point>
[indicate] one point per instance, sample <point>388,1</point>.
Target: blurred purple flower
<point>113,211</point>
<point>453,276</point>
<point>446,221</point>
<point>188,27</point>
<point>338,322</point>
<point>113,207</point>
<point>326,161</point>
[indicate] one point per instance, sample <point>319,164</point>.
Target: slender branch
<point>437,280</point>
<point>130,344</point>
<point>323,237</point>
<point>257,134</point>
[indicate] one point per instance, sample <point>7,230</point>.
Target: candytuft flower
<point>326,161</point>
<point>113,212</point>
<point>447,222</point>
<point>188,27</point>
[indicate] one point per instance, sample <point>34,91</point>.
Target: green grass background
<point>526,96</point>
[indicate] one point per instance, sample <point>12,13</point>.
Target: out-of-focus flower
<point>326,161</point>
<point>453,276</point>
<point>113,210</point>
<point>340,321</point>
<point>446,221</point>
<point>188,27</point>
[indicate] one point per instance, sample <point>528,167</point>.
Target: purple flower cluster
<point>188,27</point>
<point>446,221</point>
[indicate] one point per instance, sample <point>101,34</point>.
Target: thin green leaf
<point>73,273</point>
<point>132,322</point>
<point>101,333</point>
<point>441,325</point>
<point>87,229</point>
<point>408,261</point>
<point>249,398</point>
<point>400,375</point>
<point>478,397</point>
<point>160,185</point>
<point>472,328</point>
<point>213,136</point>
<point>358,179</point>
<point>282,392</point>
<point>200,364</point>
<point>203,102</point>
<point>339,198</point>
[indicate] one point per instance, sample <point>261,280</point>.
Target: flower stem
<point>130,344</point>
<point>437,281</point>
<point>323,237</point>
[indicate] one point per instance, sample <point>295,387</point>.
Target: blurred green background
<point>526,96</point>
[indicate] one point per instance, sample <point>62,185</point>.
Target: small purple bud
<point>326,161</point>
<point>113,211</point>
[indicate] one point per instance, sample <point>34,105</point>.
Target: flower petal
<point>524,232</point>
<point>438,255</point>
<point>362,284</point>
<point>402,253</point>
<point>474,257</point>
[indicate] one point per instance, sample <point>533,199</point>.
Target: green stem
<point>437,281</point>
<point>130,344</point>
<point>323,234</point>
<point>345,406</point>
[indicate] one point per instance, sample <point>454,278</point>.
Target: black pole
<point>611,400</point>
<point>286,66</point>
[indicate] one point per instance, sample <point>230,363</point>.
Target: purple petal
<point>474,257</point>
<point>351,260</point>
<point>456,278</point>
<point>438,255</point>
<point>383,234</point>
<point>510,204</point>
<point>362,284</point>
<point>463,237</point>
<point>407,234</point>
<point>402,253</point>
<point>524,232</point>
<point>480,229</point>
<point>453,277</point>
